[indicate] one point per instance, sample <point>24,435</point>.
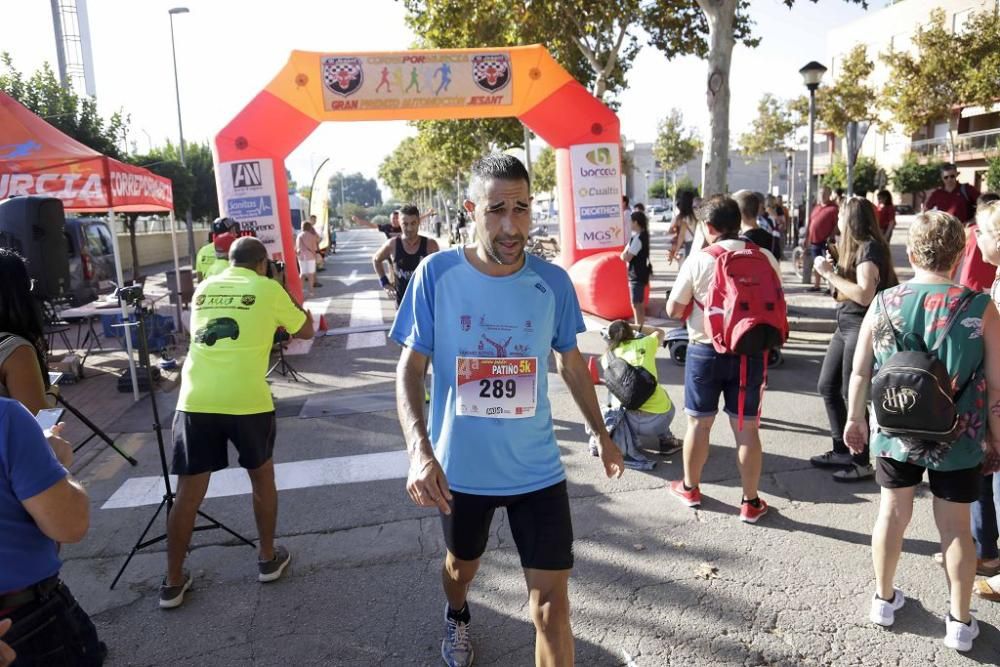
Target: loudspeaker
<point>34,227</point>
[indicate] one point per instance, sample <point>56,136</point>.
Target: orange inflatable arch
<point>524,82</point>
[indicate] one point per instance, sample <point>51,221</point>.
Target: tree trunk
<point>721,15</point>
<point>770,172</point>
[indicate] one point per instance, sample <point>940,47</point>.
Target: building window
<point>959,20</point>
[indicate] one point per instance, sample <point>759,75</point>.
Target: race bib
<point>504,388</point>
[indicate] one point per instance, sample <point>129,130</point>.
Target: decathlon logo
<point>899,400</point>
<point>246,174</point>
<point>600,212</point>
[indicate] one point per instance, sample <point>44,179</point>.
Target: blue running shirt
<point>491,423</point>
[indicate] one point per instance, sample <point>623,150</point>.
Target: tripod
<point>168,493</point>
<point>95,432</point>
<point>284,368</point>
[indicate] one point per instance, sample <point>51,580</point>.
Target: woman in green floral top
<point>971,352</point>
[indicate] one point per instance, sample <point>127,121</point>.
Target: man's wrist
<point>384,281</point>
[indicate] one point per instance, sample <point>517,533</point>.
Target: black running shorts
<point>957,486</point>
<point>201,441</point>
<point>539,521</point>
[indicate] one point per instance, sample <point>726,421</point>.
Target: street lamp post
<point>180,124</point>
<point>812,73</point>
<point>646,193</point>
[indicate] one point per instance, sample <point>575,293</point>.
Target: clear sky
<point>227,50</point>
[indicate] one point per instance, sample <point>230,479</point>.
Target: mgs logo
<point>248,300</point>
<point>491,72</point>
<point>343,76</point>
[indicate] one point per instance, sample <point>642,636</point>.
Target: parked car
<point>904,209</point>
<point>91,258</point>
<point>661,213</point>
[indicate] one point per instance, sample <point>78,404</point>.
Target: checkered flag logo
<point>343,76</point>
<point>491,72</point>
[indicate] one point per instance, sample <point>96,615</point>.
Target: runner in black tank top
<point>404,264</point>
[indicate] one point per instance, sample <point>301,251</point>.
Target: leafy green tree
<point>992,176</point>
<point>659,190</point>
<point>203,198</point>
<point>915,178</point>
<point>543,177</point>
<point>922,88</point>
<point>61,107</point>
<point>866,175</point>
<point>357,190</point>
<point>769,132</point>
<point>851,97</point>
<point>675,144</point>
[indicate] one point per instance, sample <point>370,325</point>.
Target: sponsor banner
<point>132,186</point>
<point>597,196</point>
<point>416,80</point>
<point>249,197</point>
<point>86,189</point>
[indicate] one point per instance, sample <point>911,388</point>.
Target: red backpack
<point>745,312</point>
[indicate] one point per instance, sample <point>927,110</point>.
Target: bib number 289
<point>497,388</point>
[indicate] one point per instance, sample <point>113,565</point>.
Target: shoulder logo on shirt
<point>541,288</point>
<point>248,300</point>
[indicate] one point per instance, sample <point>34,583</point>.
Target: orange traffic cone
<point>322,323</point>
<point>595,374</point>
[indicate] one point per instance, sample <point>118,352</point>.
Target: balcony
<point>969,146</point>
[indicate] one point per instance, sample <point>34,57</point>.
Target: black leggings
<point>834,380</point>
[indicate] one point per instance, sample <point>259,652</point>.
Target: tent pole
<point>177,271</point>
<point>121,282</point>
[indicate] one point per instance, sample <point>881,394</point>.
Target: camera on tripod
<point>130,295</point>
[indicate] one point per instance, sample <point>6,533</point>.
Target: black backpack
<point>912,394</point>
<point>632,385</point>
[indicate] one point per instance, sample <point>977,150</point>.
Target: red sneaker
<point>750,514</point>
<point>690,498</point>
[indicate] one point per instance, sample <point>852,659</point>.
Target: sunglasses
<point>949,177</point>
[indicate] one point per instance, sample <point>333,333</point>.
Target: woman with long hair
<point>23,369</point>
<point>963,328</point>
<point>684,224</point>
<point>863,268</point>
<point>886,213</point>
<point>636,255</point>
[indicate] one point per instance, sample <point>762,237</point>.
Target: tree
<point>543,175</point>
<point>62,108</point>
<point>922,88</point>
<point>356,188</point>
<point>866,175</point>
<point>658,190</point>
<point>769,132</point>
<point>913,177</point>
<point>203,196</point>
<point>992,176</point>
<point>675,144</point>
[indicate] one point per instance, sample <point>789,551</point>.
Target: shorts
<point>957,486</point>
<point>637,290</point>
<point>818,249</point>
<point>307,266</point>
<point>540,522</point>
<point>201,441</point>
<point>708,374</point>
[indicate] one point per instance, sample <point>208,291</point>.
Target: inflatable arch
<point>525,82</point>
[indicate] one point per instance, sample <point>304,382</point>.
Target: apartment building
<point>893,27</point>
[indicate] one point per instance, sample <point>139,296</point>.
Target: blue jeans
<point>984,518</point>
<point>649,428</point>
<point>54,631</point>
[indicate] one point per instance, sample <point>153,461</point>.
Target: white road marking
<point>140,491</point>
<point>366,310</point>
<point>353,278</point>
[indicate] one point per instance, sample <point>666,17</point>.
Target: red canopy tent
<point>38,159</point>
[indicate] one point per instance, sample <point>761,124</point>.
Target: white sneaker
<point>884,613</point>
<point>958,635</point>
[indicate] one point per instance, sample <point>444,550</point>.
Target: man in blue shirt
<point>40,506</point>
<point>487,316</point>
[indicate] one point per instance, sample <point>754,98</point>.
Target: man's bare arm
<point>62,511</point>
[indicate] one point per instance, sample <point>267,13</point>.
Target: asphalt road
<point>655,583</point>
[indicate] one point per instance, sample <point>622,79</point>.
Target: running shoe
<point>884,612</point>
<point>691,498</point>
<point>456,647</point>
<point>958,635</point>
<point>670,446</point>
<point>832,459</point>
<point>856,473</point>
<point>173,596</point>
<point>271,570</point>
<point>751,514</point>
